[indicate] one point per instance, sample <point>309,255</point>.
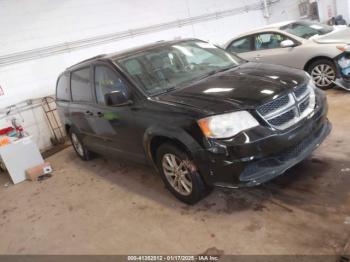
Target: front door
<point>268,50</point>
<point>82,105</point>
<point>266,47</point>
<point>114,126</point>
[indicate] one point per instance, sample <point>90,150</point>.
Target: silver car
<point>323,51</point>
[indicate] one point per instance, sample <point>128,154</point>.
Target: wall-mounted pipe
<point>107,38</point>
<point>20,107</point>
<point>266,7</point>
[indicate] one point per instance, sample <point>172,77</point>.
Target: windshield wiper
<point>164,91</point>
<point>225,69</point>
<point>213,72</point>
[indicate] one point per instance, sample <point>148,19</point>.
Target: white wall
<point>40,23</point>
<point>32,24</point>
<point>326,9</point>
<point>343,8</point>
<point>284,10</point>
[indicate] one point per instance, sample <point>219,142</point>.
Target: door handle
<point>89,113</point>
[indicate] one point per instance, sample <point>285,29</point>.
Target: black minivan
<point>202,116</point>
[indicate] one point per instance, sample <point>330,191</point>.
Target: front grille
<point>283,118</point>
<point>288,109</point>
<point>303,105</point>
<point>273,105</point>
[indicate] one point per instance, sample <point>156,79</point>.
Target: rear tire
<point>78,145</point>
<point>179,176</point>
<point>323,73</point>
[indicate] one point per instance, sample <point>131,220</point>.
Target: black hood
<point>243,87</point>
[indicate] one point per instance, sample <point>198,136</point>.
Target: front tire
<point>323,73</point>
<point>179,174</point>
<point>78,146</point>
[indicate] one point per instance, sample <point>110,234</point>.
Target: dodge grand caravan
<point>201,116</point>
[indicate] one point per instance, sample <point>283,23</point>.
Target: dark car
<point>202,116</point>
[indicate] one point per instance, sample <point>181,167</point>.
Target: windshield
<point>163,68</point>
<point>307,29</point>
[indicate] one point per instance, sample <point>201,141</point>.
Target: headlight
<point>227,125</point>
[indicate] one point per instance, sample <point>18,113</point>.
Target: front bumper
<point>260,154</point>
<point>266,169</point>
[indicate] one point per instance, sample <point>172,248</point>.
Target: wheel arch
<point>159,140</point>
<point>314,59</point>
<point>67,128</point>
<point>156,136</point>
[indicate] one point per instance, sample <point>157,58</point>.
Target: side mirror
<point>117,98</point>
<point>287,43</point>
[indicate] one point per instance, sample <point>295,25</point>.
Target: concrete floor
<point>110,207</point>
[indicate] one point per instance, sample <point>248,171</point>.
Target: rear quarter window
<point>62,89</point>
<point>81,85</point>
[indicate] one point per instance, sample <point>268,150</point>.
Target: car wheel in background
<point>78,146</point>
<point>323,73</point>
<point>180,175</point>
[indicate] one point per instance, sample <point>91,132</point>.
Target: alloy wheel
<point>323,75</point>
<point>77,145</point>
<point>177,174</point>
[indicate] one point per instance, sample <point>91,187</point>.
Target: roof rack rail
<point>89,59</point>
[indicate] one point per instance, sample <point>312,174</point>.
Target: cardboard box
<point>39,170</point>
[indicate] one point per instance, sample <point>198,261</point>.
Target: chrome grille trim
<point>303,104</point>
<point>271,106</point>
<point>295,107</point>
<point>280,110</point>
<point>301,91</point>
<point>284,118</point>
